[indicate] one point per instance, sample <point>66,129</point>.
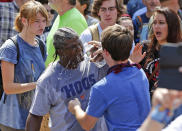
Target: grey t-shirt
<point>56,87</point>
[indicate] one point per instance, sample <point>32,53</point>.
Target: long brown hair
<point>174,30</point>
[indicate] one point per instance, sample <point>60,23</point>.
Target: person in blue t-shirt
<point>20,73</point>
<point>122,96</point>
<point>133,6</point>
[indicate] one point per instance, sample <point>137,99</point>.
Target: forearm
<point>9,86</point>
<point>87,122</point>
<point>151,125</point>
<point>81,118</point>
<point>18,88</point>
<point>33,122</point>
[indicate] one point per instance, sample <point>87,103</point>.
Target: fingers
<point>143,55</point>
<point>93,50</point>
<point>97,52</point>
<point>180,69</point>
<point>136,47</point>
<point>96,58</point>
<point>72,104</point>
<point>167,98</point>
<point>95,43</point>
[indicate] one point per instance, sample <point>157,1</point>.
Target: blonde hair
<point>29,11</point>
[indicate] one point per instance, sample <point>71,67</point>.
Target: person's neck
<point>149,14</point>
<point>113,63</point>
<point>67,65</point>
<point>65,9</point>
<point>19,3</point>
<point>28,37</point>
<point>103,25</point>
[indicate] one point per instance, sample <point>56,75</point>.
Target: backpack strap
<point>95,32</point>
<point>42,47</point>
<point>140,23</point>
<point>139,20</point>
<point>14,39</point>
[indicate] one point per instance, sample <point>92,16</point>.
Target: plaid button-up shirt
<point>8,11</point>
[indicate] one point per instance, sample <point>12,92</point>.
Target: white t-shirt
<point>175,125</point>
<point>86,35</point>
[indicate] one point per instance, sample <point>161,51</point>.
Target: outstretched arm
<point>33,122</point>
<point>87,122</point>
<point>167,99</point>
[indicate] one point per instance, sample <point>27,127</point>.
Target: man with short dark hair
<point>122,96</point>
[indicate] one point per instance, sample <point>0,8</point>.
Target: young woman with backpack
<point>20,73</point>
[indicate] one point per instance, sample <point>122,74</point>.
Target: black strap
<point>140,23</point>
<point>14,39</point>
<point>42,47</point>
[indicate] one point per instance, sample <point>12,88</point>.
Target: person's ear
<point>105,52</point>
<point>84,6</point>
<point>24,21</point>
<point>59,52</point>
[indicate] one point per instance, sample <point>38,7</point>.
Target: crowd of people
<point>46,67</point>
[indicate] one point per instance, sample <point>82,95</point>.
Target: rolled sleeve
<point>8,52</point>
<point>41,102</point>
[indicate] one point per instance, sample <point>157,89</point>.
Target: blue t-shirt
<point>28,69</point>
<point>122,98</point>
<point>138,26</point>
<point>133,6</point>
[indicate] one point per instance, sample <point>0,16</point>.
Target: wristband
<point>161,115</point>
